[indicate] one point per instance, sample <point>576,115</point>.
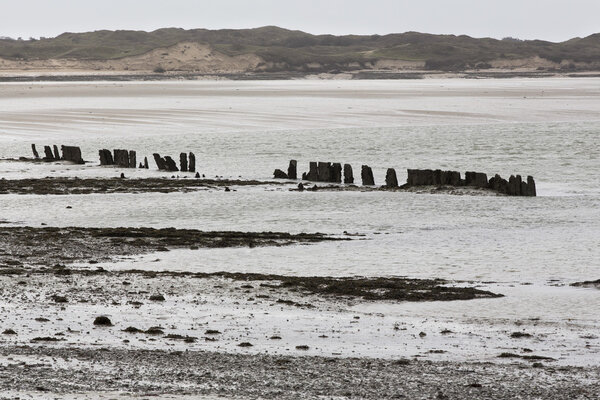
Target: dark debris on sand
<point>62,186</point>
<point>50,245</point>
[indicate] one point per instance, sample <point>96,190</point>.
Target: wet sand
<point>187,373</point>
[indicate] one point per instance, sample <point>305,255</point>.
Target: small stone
<point>102,321</point>
<point>59,299</point>
<point>157,297</point>
<point>154,330</point>
<point>132,329</point>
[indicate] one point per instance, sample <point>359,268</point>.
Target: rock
<point>348,175</point>
<point>157,297</point>
<point>197,175</point>
<point>324,171</point>
<point>154,330</point>
<point>160,162</point>
<point>48,153</point>
<point>56,153</point>
<point>9,332</point>
<point>132,329</point>
<point>313,173</point>
<point>35,153</point>
<point>279,174</point>
<point>245,344</point>
<point>102,321</point>
<point>141,166</point>
<point>192,162</point>
<point>183,162</point>
<point>366,174</point>
<point>59,299</point>
<point>336,173</point>
<point>170,164</point>
<point>292,170</point>
<point>146,163</point>
<point>71,153</point>
<point>132,159</point>
<point>302,347</point>
<point>531,190</point>
<point>300,187</point>
<point>122,175</point>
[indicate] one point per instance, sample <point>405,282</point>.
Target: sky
<point>525,19</point>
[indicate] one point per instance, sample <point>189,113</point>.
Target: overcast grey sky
<point>527,19</point>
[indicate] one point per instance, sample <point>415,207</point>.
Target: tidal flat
<point>179,288</point>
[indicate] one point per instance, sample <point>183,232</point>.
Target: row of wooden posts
<point>332,173</point>
<point>69,153</point>
<point>317,171</point>
<point>127,159</point>
<point>118,157</point>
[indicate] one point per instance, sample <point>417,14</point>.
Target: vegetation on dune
<point>295,50</point>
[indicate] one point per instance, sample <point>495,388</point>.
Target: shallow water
<point>548,128</point>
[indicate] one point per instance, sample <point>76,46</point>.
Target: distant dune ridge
<point>273,49</point>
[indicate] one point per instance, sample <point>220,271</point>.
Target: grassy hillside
<point>295,50</point>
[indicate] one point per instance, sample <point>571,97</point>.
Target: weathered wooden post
<point>391,180</point>
<point>323,169</point>
<point>183,162</point>
<point>35,153</point>
<point>171,165</point>
<point>56,153</point>
<point>192,164</point>
<point>336,173</point>
<point>292,170</point>
<point>72,153</point>
<point>348,175</point>
<point>132,159</point>
<point>313,173</point>
<point>146,163</point>
<point>366,174</point>
<point>48,153</point>
<point>531,187</point>
<point>160,162</point>
<point>279,174</point>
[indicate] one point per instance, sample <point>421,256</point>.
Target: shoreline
<point>125,76</point>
